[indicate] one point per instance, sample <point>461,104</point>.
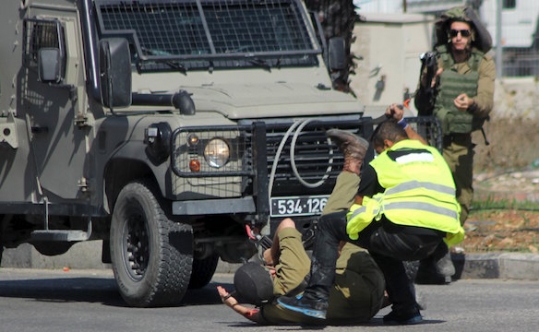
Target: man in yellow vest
<point>404,210</point>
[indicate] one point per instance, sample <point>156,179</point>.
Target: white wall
<point>389,46</point>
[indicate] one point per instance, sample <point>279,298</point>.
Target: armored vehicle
<point>167,129</point>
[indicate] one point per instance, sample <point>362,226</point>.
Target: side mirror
<point>337,54</point>
<point>49,65</point>
<point>115,72</point>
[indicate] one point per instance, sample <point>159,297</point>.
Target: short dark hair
<point>389,130</point>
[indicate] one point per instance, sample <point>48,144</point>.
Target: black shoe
<point>431,272</point>
<point>315,308</point>
<point>427,276</point>
<point>445,265</point>
<point>403,317</point>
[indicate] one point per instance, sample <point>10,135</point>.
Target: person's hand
<point>226,297</point>
<point>268,258</point>
<point>463,102</point>
<point>434,78</point>
<point>395,111</point>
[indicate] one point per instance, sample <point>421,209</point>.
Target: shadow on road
<point>80,289</point>
<point>85,289</point>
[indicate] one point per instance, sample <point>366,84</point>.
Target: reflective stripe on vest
<point>410,205</point>
<point>427,201</point>
<point>421,207</point>
<point>427,185</point>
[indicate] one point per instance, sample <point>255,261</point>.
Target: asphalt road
<point>87,300</point>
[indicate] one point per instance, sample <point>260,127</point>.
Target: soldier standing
<point>464,97</point>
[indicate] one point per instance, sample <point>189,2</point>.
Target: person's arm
<point>368,186</point>
<point>230,301</point>
<point>412,134</point>
<point>397,113</point>
<point>484,101</point>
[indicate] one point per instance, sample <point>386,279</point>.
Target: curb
<point>512,266</point>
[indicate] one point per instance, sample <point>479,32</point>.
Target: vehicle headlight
<point>217,153</point>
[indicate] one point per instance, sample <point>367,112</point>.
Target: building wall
<point>388,47</point>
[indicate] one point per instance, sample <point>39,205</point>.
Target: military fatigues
<point>358,289</point>
<point>474,77</point>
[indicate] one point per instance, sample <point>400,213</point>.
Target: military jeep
<point>167,129</point>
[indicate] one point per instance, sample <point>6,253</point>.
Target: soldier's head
<point>253,284</point>
<point>461,28</point>
<point>386,134</point>
<point>461,35</point>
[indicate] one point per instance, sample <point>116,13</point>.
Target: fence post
<point>499,46</point>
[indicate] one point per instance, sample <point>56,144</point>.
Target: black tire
<point>203,270</point>
<point>151,255</point>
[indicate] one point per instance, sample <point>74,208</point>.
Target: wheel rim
<point>136,246</point>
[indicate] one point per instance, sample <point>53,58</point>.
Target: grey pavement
<point>36,300</point>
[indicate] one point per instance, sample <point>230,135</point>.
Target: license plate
<point>298,205</point>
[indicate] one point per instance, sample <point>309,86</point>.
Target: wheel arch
<point>122,170</point>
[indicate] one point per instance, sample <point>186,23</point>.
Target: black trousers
<point>388,244</point>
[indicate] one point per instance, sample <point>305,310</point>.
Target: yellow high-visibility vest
<point>419,191</point>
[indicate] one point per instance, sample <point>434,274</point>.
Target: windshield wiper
<point>171,64</point>
<point>175,65</point>
<point>260,62</point>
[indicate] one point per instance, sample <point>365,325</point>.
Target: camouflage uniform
<point>358,290</point>
<point>458,148</point>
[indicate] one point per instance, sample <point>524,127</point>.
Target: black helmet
<point>253,284</point>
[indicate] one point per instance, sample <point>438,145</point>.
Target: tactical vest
<point>419,192</point>
<point>453,84</point>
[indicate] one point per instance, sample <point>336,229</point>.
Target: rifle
<point>429,66</point>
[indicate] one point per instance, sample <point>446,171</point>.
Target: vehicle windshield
<point>181,35</point>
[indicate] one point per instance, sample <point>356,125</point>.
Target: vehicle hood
<point>272,100</point>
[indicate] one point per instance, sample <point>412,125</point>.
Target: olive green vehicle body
<point>73,136</point>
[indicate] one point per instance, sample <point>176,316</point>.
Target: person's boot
<point>352,146</point>
<point>435,270</point>
<point>445,266</point>
<point>306,304</point>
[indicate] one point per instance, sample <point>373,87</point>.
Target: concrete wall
<point>388,48</point>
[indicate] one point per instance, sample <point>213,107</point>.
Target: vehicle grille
<point>308,162</point>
